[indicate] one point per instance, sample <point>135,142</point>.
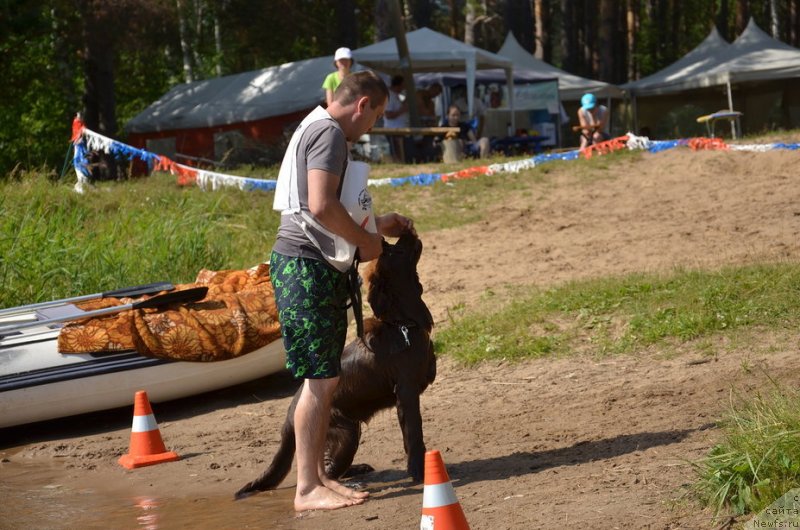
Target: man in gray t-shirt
<point>310,293</point>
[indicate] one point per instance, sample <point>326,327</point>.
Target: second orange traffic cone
<point>440,507</point>
<point>147,447</point>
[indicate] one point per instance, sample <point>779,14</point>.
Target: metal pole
<point>730,106</point>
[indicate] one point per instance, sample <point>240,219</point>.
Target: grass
<point>617,315</point>
<point>758,460</point>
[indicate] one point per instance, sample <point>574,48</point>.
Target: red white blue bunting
<point>85,140</point>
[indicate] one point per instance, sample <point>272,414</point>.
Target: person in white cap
<point>343,61</point>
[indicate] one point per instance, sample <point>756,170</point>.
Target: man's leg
<point>311,419</point>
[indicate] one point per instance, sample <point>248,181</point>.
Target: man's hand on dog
<point>394,225</point>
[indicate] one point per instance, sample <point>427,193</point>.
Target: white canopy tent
<point>430,51</point>
<point>237,98</point>
<point>570,87</point>
<point>753,57</point>
<point>668,79</point>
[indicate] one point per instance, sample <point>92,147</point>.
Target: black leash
<point>354,286</point>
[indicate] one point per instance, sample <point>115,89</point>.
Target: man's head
<point>434,90</point>
<point>358,103</point>
<point>396,84</point>
<point>453,116</point>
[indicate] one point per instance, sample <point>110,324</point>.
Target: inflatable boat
<point>38,383</point>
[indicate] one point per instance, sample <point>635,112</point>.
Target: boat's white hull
<point>63,385</point>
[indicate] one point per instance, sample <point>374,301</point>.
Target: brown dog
<point>391,366</point>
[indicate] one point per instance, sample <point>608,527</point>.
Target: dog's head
<point>395,293</point>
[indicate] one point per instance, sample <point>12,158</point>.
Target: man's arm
<point>326,207</point>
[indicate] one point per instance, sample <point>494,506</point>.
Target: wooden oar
<point>176,297</point>
<point>127,292</point>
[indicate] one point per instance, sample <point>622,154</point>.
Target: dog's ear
<point>379,295</point>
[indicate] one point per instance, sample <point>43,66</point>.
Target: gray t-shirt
<point>322,146</point>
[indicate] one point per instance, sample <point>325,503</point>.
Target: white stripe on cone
<point>144,423</point>
<point>438,495</point>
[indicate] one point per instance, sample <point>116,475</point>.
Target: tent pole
<point>730,105</point>
<point>510,84</point>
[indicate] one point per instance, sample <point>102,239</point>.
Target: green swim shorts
<point>311,298</point>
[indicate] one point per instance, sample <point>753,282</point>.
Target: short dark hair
<point>397,80</point>
<point>358,84</point>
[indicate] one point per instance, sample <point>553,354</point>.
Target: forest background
<point>110,59</point>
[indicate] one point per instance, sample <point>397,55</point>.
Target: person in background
<point>495,97</point>
<point>396,116</point>
<point>426,104</point>
<point>471,144</point>
<point>478,108</point>
<point>311,280</point>
<point>343,61</point>
<point>594,121</point>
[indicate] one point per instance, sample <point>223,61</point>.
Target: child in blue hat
<point>593,120</point>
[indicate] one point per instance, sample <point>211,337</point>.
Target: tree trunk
<point>346,24</point>
<point>631,23</point>
<point>518,18</point>
<point>773,19</point>
<point>722,20</point>
<point>590,60</point>
<point>742,15</point>
<point>454,18</point>
<point>603,55</point>
<point>794,22</point>
<point>421,14</point>
<point>98,98</point>
<point>383,23</point>
<point>197,11</point>
<point>544,46</point>
<point>569,39</point>
<point>469,23</point>
<point>188,72</point>
<point>218,59</point>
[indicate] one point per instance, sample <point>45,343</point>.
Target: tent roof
<point>570,86</point>
<point>699,59</point>
<point>237,98</point>
<point>429,51</point>
<point>753,56</point>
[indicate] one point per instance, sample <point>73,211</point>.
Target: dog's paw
<point>417,471</point>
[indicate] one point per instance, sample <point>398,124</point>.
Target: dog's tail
<point>277,470</point>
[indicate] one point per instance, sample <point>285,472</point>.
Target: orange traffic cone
<point>147,447</point>
<point>440,507</point>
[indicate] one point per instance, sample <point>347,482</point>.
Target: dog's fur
<point>380,371</point>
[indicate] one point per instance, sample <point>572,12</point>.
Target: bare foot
<point>343,490</point>
<point>323,498</point>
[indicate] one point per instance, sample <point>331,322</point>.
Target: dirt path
<point>585,441</point>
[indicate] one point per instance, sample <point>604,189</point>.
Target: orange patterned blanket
<point>236,317</point>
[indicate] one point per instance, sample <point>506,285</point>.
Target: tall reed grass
<point>55,243</point>
<point>758,460</point>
